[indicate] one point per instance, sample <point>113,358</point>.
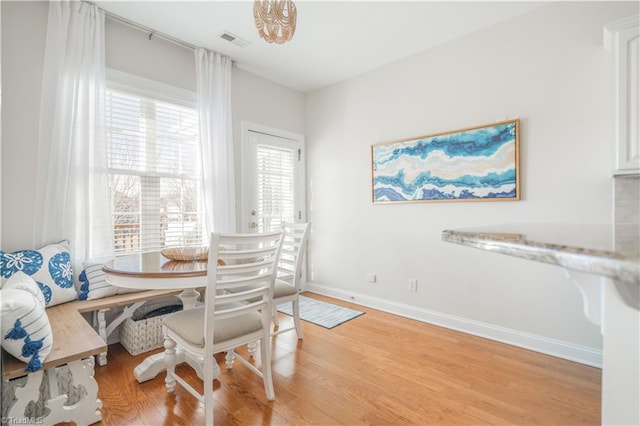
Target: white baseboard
<point>569,351</point>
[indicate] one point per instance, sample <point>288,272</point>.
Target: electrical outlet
<point>413,284</point>
<point>371,277</point>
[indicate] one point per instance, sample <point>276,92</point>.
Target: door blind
<point>275,186</point>
<point>154,169</point>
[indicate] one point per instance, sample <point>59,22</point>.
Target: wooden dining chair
<point>228,319</point>
<point>289,274</point>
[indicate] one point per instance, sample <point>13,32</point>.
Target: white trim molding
<point>145,87</point>
<point>545,345</point>
<point>246,128</point>
<point>623,39</point>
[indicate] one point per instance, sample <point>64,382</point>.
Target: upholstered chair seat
<point>282,288</point>
<point>189,324</point>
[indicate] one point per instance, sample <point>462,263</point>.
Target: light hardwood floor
<point>378,369</point>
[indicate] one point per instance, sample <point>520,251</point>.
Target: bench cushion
<point>49,266</point>
<point>26,331</point>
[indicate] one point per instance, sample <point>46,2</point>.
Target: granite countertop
<point>597,249</point>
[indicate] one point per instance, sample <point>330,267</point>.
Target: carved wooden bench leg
<point>105,331</point>
<point>86,411</point>
<point>24,395</point>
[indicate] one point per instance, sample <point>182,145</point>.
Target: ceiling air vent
<point>226,35</point>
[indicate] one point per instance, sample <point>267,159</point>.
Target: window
<point>153,156</point>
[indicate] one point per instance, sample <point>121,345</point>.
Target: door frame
<point>246,127</point>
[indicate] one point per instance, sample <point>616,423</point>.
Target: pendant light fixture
<point>275,20</point>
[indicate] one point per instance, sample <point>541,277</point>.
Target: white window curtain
<point>72,199</point>
<point>213,75</point>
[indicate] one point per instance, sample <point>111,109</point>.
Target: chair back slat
<point>245,268</point>
<point>286,264</point>
<point>234,310</point>
<point>228,254</point>
<point>292,252</point>
<point>259,280</point>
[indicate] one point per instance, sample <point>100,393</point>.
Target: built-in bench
<point>75,342</point>
<point>130,302</point>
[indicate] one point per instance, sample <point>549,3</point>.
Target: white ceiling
<point>334,40</point>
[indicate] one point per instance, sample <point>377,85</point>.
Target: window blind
<point>275,186</point>
<point>154,169</point>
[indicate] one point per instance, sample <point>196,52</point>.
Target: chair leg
<point>170,363</point>
<point>229,357</point>
<point>275,316</point>
<point>265,359</point>
<point>251,348</point>
<point>207,384</point>
<point>296,317</point>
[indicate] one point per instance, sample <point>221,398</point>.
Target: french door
<point>273,179</point>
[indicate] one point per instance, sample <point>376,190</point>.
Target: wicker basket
<point>144,335</point>
<point>186,253</point>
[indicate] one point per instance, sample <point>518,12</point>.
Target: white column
<point>621,361</point>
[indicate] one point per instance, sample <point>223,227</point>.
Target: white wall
<point>127,49</point>
<point>547,67</point>
<point>24,27</point>
<point>130,50</point>
<point>0,116</point>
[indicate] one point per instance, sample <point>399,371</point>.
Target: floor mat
<point>321,313</point>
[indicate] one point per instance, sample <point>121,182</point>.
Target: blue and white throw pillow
<point>22,281</point>
<point>49,266</point>
<point>93,283</point>
<point>25,327</point>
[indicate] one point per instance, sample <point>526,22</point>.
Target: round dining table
<point>153,271</point>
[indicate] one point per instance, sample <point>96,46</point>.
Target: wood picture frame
<point>478,163</point>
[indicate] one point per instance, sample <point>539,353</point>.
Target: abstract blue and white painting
<point>479,163</point>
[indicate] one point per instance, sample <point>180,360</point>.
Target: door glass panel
<point>275,175</point>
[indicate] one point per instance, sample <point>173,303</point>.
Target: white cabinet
<point>623,40</point>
